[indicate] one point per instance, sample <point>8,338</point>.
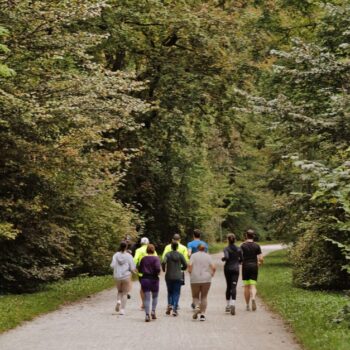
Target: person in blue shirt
<point>192,247</point>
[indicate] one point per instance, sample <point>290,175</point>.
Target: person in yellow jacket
<point>139,254</point>
<point>181,248</point>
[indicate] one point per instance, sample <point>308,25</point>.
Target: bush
<point>318,264</point>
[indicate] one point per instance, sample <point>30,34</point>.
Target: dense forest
<point>129,117</point>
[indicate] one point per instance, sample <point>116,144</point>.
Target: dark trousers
<point>231,283</point>
<point>174,289</point>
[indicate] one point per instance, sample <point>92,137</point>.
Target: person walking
<point>173,264</point>
<point>201,269</point>
<point>139,254</point>
<point>150,269</point>
<point>252,258</point>
<point>192,247</point>
<point>123,266</point>
<point>232,258</point>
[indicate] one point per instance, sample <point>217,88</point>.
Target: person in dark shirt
<point>174,263</point>
<point>150,269</point>
<point>232,258</point>
<point>252,258</point>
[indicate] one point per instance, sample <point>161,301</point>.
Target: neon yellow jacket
<point>181,249</point>
<point>139,254</point>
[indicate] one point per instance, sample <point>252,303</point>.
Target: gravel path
<point>93,324</point>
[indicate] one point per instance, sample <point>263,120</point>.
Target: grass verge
<point>15,309</point>
<point>310,313</point>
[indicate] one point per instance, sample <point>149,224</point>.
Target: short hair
<point>176,237</point>
<point>231,238</point>
<point>174,245</point>
<point>201,247</point>
<point>250,234</point>
<point>122,246</point>
<point>150,249</point>
<point>197,233</point>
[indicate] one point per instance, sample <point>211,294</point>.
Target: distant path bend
<point>93,324</point>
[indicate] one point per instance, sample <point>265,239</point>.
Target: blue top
<point>193,245</point>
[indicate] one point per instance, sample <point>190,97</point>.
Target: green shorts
<point>249,282</point>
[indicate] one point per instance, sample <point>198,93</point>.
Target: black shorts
<point>250,272</point>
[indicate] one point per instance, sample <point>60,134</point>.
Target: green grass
<point>15,309</point>
<point>310,313</point>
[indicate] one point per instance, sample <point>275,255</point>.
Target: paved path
<point>93,324</point>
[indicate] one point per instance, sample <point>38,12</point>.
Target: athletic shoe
<point>129,296</point>
<point>193,306</point>
<point>153,315</point>
<point>233,310</point>
<point>202,318</point>
<point>253,305</point>
<point>168,309</point>
<point>117,307</point>
<point>147,318</point>
<point>196,313</point>
<point>175,313</point>
<point>228,308</point>
<point>247,308</point>
<point>122,312</point>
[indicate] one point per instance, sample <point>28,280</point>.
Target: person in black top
<point>232,258</point>
<point>252,258</point>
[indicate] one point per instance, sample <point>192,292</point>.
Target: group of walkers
<point>194,258</point>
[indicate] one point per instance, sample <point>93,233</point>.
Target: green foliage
<point>309,313</point>
<point>57,161</point>
<point>308,109</point>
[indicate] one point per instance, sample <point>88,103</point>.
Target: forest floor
<point>93,324</point>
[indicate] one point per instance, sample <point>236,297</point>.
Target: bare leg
<point>247,294</point>
<point>253,291</point>
<point>142,295</point>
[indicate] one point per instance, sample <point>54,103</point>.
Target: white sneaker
<point>117,307</point>
<point>202,318</point>
<point>122,312</point>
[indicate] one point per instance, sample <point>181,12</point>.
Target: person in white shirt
<point>201,269</point>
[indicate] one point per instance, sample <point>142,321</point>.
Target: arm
<point>132,265</point>
<point>189,266</point>
<point>164,263</point>
<point>157,267</point>
<point>213,269</point>
<point>183,263</point>
<point>240,256</point>
<point>260,256</point>
<point>113,262</point>
<point>166,250</point>
<point>226,255</point>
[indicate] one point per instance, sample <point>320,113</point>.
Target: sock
<point>228,302</point>
<point>232,302</point>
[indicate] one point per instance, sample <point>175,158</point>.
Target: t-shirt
<point>193,245</point>
<point>232,257</point>
<point>201,270</point>
<point>250,252</point>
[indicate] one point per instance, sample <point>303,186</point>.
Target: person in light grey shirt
<point>201,269</point>
<point>123,265</point>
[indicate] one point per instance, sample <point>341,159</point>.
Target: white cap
<point>144,240</point>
